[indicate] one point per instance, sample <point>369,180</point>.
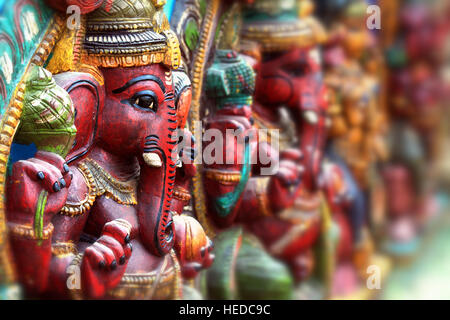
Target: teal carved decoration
<point>23,25</point>
<point>230,80</point>
<point>225,204</point>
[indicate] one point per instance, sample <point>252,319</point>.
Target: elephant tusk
<point>179,163</point>
<point>152,159</point>
<point>311,117</point>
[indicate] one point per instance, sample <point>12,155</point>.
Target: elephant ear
<point>88,97</point>
<point>28,33</point>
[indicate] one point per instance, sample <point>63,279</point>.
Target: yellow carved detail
<point>197,84</point>
<point>62,59</point>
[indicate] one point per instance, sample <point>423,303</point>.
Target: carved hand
<point>46,172</point>
<point>105,261</point>
<point>283,186</point>
<point>37,189</point>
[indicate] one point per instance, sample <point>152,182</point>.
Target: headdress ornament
<point>130,33</point>
<point>122,33</point>
<point>279,25</point>
<point>230,80</point>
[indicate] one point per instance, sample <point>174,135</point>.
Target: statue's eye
<point>145,100</point>
<point>296,70</point>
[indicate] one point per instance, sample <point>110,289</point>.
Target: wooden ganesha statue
<point>270,222</point>
<point>105,209</point>
<point>234,199</point>
<point>290,97</point>
<point>240,194</point>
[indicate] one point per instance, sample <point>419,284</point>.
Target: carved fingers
<point>291,154</point>
<point>187,153</point>
<point>119,229</point>
<point>113,248</point>
<point>289,173</point>
<point>45,172</point>
<point>207,255</point>
<point>285,184</point>
<point>50,170</point>
<point>114,244</point>
<point>186,144</point>
<point>105,261</point>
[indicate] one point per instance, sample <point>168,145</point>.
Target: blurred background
<point>409,54</point>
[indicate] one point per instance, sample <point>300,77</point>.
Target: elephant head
<point>125,104</point>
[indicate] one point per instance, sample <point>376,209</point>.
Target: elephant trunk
<point>155,190</point>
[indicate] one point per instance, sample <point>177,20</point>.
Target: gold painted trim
<point>76,209</point>
<point>222,176</point>
<point>197,85</point>
<point>25,231</point>
<point>261,195</point>
<point>64,249</point>
<point>164,283</point>
<point>123,192</point>
<point>178,283</point>
<point>182,194</point>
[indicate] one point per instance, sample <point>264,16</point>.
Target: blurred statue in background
<point>241,195</point>
<point>247,211</point>
<point>416,96</point>
<point>355,143</point>
<point>290,97</point>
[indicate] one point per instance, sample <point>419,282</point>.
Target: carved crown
<point>279,25</point>
<point>230,80</point>
<point>130,33</point>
